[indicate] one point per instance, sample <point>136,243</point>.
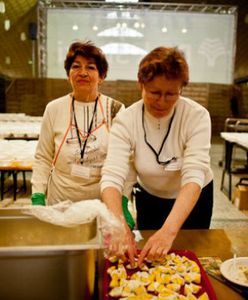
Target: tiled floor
<point>225,214</point>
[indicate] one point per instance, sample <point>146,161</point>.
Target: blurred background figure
<point>236,101</point>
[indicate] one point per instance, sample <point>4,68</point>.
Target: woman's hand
<point>160,243</point>
<point>157,245</point>
<point>123,245</point>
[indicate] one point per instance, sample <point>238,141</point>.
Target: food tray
<point>205,282</point>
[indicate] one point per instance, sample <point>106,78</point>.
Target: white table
<point>238,138</point>
<point>232,139</point>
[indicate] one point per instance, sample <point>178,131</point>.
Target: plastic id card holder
<point>80,171</point>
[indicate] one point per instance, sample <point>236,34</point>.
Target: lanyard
<point>164,140</point>
<point>82,149</point>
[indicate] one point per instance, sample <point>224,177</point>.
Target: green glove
<point>127,214</point>
<point>38,199</point>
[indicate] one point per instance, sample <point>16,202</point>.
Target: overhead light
<point>23,36</point>
<point>7,60</point>
<point>136,25</point>
<point>184,30</point>
<point>75,27</point>
<point>2,7</point>
<point>164,29</point>
<point>7,25</point>
<point>95,28</point>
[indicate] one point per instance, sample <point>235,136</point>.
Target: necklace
<point>158,125</point>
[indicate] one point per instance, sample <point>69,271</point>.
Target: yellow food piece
<point>166,292</point>
<point>110,269</point>
<point>190,297</point>
<point>116,292</point>
<point>204,296</point>
<point>140,290</point>
<point>114,283</point>
<point>191,288</point>
<point>152,287</point>
<point>113,259</point>
<point>177,279</point>
<point>173,286</point>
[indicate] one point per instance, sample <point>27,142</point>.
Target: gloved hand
<point>127,214</point>
<point>38,199</point>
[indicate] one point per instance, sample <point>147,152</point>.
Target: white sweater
<point>62,185</point>
<point>188,141</point>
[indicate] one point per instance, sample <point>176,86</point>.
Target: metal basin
<point>41,261</point>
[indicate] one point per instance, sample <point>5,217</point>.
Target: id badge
<point>80,171</point>
<point>174,165</point>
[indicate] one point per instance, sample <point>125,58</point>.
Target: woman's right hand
<point>122,245</point>
<point>121,242</point>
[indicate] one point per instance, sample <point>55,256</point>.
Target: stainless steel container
<point>41,261</point>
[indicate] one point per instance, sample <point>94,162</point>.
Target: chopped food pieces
<point>175,277</point>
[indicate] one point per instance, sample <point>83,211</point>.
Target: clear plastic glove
<point>121,244</point>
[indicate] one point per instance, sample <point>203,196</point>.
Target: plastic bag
<point>70,214</point>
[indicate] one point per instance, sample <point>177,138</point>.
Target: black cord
<point>82,149</point>
<point>164,140</point>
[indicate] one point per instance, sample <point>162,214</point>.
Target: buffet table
<point>205,243</point>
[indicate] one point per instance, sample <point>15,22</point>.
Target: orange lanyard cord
<point>104,119</point>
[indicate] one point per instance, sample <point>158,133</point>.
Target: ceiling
<point>15,10</point>
<point>19,14</point>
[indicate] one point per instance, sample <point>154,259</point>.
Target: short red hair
<point>168,62</point>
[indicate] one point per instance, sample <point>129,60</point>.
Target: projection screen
<point>125,36</point>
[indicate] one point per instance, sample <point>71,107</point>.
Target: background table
<point>16,156</point>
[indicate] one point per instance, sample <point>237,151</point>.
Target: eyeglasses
<point>169,96</point>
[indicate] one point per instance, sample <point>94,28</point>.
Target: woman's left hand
<point>157,246</point>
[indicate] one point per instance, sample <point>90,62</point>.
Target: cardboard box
<point>241,195</point>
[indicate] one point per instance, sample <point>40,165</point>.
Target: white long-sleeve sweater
<point>62,185</point>
<point>188,141</point>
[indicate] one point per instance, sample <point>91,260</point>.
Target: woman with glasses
<point>74,135</point>
<point>169,138</point>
